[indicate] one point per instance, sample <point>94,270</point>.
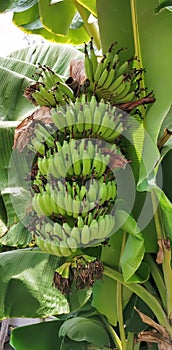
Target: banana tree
<point>137,269</point>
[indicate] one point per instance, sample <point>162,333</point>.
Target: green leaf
<point>58,17</point>
<point>16,5</point>
<point>26,285</point>
<point>73,345</point>
<point>85,329</point>
<point>121,31</point>
<point>17,236</point>
<point>78,298</point>
<point>56,56</point>
<point>13,105</point>
<point>18,66</point>
<point>89,5</point>
<point>132,319</point>
<point>108,307</point>
<point>41,336</point>
<point>28,16</point>
<point>156,51</point>
<point>6,143</point>
<point>134,248</point>
<point>163,5</point>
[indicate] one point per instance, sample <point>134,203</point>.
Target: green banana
<point>110,55</point>
<point>88,118</point>
<point>93,57</point>
<point>85,235</point>
<point>86,163</point>
<point>59,164</point>
<point>76,234</point>
<point>116,83</point>
<point>76,160</point>
<point>99,70</point>
<point>64,249</point>
<point>58,118</point>
<point>66,90</point>
<point>80,123</point>
<point>128,98</point>
<point>122,69</point>
<point>38,146</point>
<point>97,120</point>
<point>94,227</point>
<point>110,79</point>
<point>46,201</point>
<point>103,78</point>
<point>76,207</point>
<point>68,204</point>
<point>72,244</point>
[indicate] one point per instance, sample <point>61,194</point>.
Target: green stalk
<point>130,341</point>
<point>137,44</point>
<point>112,333</point>
<point>91,28</point>
<point>120,315</point>
<point>135,31</point>
<point>145,295</point>
<point>158,278</point>
<point>166,263</point>
<point>119,302</point>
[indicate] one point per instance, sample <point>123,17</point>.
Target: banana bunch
<point>90,119</point>
<point>110,79</point>
<point>73,185</point>
<point>63,240</point>
<point>49,90</point>
<point>68,199</point>
<point>71,160</point>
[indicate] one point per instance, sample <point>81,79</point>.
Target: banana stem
<point>120,315</point>
<point>135,30</point>
<point>119,298</point>
<point>137,43</point>
<point>130,341</point>
<point>91,28</point>
<point>112,333</point>
<point>144,294</point>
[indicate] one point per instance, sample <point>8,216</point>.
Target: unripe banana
<point>86,161</point>
<point>72,243</point>
<point>64,249</point>
<point>85,235</point>
<point>76,234</point>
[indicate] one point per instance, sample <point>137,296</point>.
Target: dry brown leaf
<point>25,129</point>
<point>160,254</point>
<point>77,71</point>
<point>146,319</point>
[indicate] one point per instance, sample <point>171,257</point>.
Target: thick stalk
<point>137,45</point>
<point>120,314</point>
<point>119,302</point>
<point>91,28</point>
<point>145,295</point>
<point>166,263</point>
<point>130,341</point>
<point>112,333</point>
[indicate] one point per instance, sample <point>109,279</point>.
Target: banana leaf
<point>28,337</point>
<point>26,278</point>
